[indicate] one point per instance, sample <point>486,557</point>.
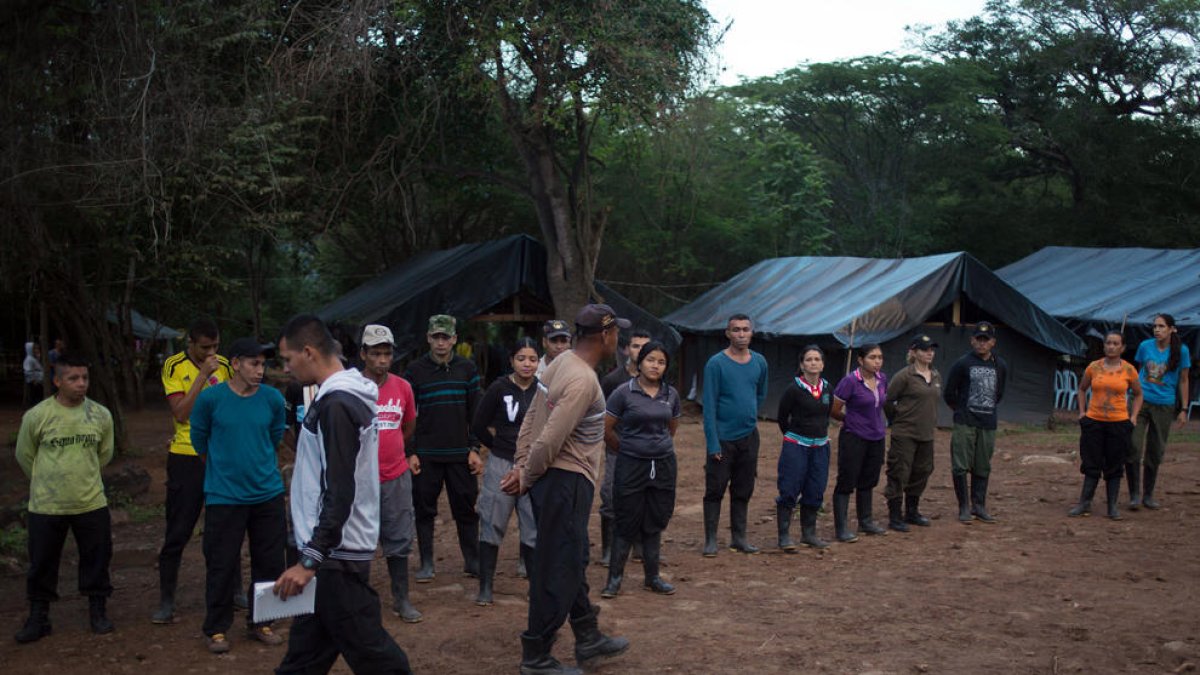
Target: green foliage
<point>14,541</point>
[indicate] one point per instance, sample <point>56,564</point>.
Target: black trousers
<point>558,588</point>
<point>347,622</point>
<point>643,495</point>
<point>185,499</point>
<point>93,539</point>
<point>462,489</point>
<point>1103,447</point>
<point>225,525</point>
<point>737,470</point>
<point>859,462</point>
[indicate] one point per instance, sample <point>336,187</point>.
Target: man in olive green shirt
<point>63,443</point>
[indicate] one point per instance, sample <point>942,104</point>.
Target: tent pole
<point>850,349</point>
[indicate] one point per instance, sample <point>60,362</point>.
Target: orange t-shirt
<point>1109,387</point>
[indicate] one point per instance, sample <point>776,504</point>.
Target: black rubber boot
<point>168,579</point>
<point>398,574</point>
<point>616,567</point>
<point>651,555</point>
<point>536,658</point>
<point>590,643</point>
<point>912,512</point>
<point>635,551</point>
<point>1113,485</point>
<point>1084,507</point>
<point>979,487</point>
<point>527,556</point>
<point>862,507</point>
<point>98,615</point>
<point>964,502</point>
<point>737,527</point>
<point>487,572</point>
<point>425,573</point>
<point>606,527</point>
<point>712,514</point>
<point>895,519</point>
<point>783,517</point>
<point>1149,478</point>
<point>37,626</point>
<point>841,519</point>
<point>468,543</point>
<point>808,528</point>
<point>1135,486</point>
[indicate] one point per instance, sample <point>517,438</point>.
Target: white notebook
<point>268,606</point>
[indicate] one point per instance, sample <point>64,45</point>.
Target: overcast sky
<point>768,36</point>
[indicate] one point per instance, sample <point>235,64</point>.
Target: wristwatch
<point>309,563</point>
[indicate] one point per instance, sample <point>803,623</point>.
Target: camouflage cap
<point>442,324</point>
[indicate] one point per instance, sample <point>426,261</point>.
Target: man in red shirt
<point>396,420</point>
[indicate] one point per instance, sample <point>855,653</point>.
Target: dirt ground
<point>1036,593</point>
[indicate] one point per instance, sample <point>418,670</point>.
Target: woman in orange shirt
<point>1105,423</point>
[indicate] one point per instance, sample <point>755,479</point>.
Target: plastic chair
<point>1072,389</point>
<point>1060,389</point>
<point>1191,405</point>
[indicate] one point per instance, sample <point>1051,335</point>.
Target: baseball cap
<point>555,328</point>
<point>922,341</point>
<point>248,347</point>
<point>594,318</point>
<point>374,334</point>
<point>984,329</point>
<point>443,324</point>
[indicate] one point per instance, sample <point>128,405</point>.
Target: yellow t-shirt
<point>178,373</point>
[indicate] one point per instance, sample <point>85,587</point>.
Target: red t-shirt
<point>396,406</point>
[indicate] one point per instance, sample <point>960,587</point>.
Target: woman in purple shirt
<point>858,403</point>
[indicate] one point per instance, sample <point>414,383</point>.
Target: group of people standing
<point>374,451</point>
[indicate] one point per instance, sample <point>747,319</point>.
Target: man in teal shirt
<point>63,443</point>
<point>236,427</point>
<point>735,385</point>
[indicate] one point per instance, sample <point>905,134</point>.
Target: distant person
<point>619,375</point>
<point>858,404</point>
<point>60,346</point>
<point>34,373</point>
<point>642,417</point>
<point>735,386</point>
<point>335,513</point>
<point>445,452</point>
<point>1105,429</point>
<point>184,376</point>
<point>974,388</point>
<point>913,394</point>
<point>559,452</point>
<point>236,427</point>
<point>803,470</point>
<point>396,419</point>
<point>63,443</point>
<point>497,422</point>
<point>556,339</point>
<point>1163,368</point>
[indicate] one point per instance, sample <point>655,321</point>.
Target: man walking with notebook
<point>335,513</point>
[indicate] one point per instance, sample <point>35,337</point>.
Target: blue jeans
<point>803,474</point>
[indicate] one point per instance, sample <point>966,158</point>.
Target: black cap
<point>555,328</point>
<point>595,318</point>
<point>248,346</point>
<point>922,341</point>
<point>984,329</point>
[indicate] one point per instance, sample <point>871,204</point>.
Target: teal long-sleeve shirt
<point>733,393</point>
<point>237,436</point>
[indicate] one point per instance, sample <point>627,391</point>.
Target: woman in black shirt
<point>804,459</point>
<point>642,417</point>
<point>497,422</point>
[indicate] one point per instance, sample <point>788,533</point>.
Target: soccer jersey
<point>178,373</point>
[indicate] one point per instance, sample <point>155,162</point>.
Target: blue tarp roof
<point>879,299</point>
<point>1108,286</point>
<point>464,281</point>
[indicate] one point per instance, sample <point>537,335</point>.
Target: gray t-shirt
<point>644,422</point>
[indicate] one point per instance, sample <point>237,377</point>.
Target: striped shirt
<point>446,396</point>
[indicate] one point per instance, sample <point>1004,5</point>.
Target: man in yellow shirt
<point>184,376</point>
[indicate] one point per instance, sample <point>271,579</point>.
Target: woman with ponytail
<point>1163,363</point>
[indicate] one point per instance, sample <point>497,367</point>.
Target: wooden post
<point>850,349</point>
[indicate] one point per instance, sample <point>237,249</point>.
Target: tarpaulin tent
<point>839,301</point>
<point>1094,289</point>
<point>144,327</point>
<point>501,280</point>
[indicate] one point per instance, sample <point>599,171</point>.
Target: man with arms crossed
<point>735,385</point>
